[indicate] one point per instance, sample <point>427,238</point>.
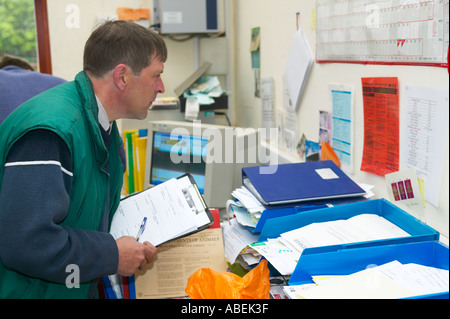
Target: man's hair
<point>12,60</point>
<point>117,42</point>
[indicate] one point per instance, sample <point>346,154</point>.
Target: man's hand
<point>133,255</point>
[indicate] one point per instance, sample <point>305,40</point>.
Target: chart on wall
<point>413,32</point>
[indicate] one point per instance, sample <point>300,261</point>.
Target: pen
<point>141,229</point>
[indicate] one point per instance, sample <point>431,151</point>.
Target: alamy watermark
<point>228,145</point>
<point>73,279</point>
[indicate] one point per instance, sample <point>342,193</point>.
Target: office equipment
<point>346,260</point>
<point>182,90</point>
<point>179,16</point>
<point>174,209</point>
<point>299,182</point>
<point>166,103</point>
<point>207,152</point>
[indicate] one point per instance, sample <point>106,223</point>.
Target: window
<point>24,32</point>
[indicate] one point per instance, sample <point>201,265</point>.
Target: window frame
<point>43,38</point>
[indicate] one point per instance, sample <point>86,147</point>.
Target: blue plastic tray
<point>346,260</point>
<point>418,230</point>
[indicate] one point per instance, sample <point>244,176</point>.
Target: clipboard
<point>174,209</point>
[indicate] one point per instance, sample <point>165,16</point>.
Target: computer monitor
<point>207,152</point>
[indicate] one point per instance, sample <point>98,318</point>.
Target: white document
<point>298,67</point>
<point>423,132</point>
<point>236,238</point>
<point>267,106</point>
<point>248,200</point>
<point>280,256</point>
<point>422,280</point>
<point>391,280</point>
<point>360,228</point>
<point>290,122</point>
<point>192,108</point>
<point>172,209</point>
<point>366,284</point>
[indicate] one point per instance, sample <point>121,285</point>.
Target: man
<point>19,82</point>
<point>61,174</point>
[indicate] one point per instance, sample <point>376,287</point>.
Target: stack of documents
<point>246,208</point>
<point>236,240</point>
<point>318,184</point>
<point>388,281</point>
<point>284,252</point>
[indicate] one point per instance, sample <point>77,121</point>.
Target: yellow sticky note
<point>422,189</point>
<point>313,19</point>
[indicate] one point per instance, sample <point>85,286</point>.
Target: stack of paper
<point>283,252</point>
<point>246,208</point>
<point>391,280</point>
<point>236,240</point>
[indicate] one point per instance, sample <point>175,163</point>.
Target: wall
<point>277,20</point>
<point>231,56</point>
<point>72,21</point>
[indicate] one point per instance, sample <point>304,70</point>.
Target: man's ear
<point>120,76</point>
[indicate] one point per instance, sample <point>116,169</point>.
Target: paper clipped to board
<point>173,209</point>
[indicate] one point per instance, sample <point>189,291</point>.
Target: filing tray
<point>346,260</point>
<point>418,230</point>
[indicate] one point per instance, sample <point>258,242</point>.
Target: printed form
<point>178,212</point>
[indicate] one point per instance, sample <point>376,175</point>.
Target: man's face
<point>143,90</point>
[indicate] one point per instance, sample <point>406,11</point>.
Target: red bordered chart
<point>412,32</point>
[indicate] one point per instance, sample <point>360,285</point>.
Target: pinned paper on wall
<point>290,123</point>
<point>342,99</point>
<point>298,67</point>
<point>254,48</point>
<point>130,14</point>
<point>403,189</point>
<point>256,59</point>
<point>267,106</point>
<point>324,127</point>
<point>424,129</point>
<point>381,125</point>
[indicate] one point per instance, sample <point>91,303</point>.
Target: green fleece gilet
<point>70,110</point>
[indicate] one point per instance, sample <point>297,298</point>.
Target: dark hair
<point>12,60</point>
<point>116,42</point>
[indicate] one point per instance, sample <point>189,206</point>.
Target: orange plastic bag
<point>206,283</point>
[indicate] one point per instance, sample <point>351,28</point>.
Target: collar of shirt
<point>103,117</point>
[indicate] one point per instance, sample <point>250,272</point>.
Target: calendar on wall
<point>412,32</point>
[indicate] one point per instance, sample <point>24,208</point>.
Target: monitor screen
<point>174,155</point>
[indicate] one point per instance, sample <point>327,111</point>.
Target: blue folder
<point>299,182</point>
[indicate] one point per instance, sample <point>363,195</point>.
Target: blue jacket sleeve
<point>34,200</point>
